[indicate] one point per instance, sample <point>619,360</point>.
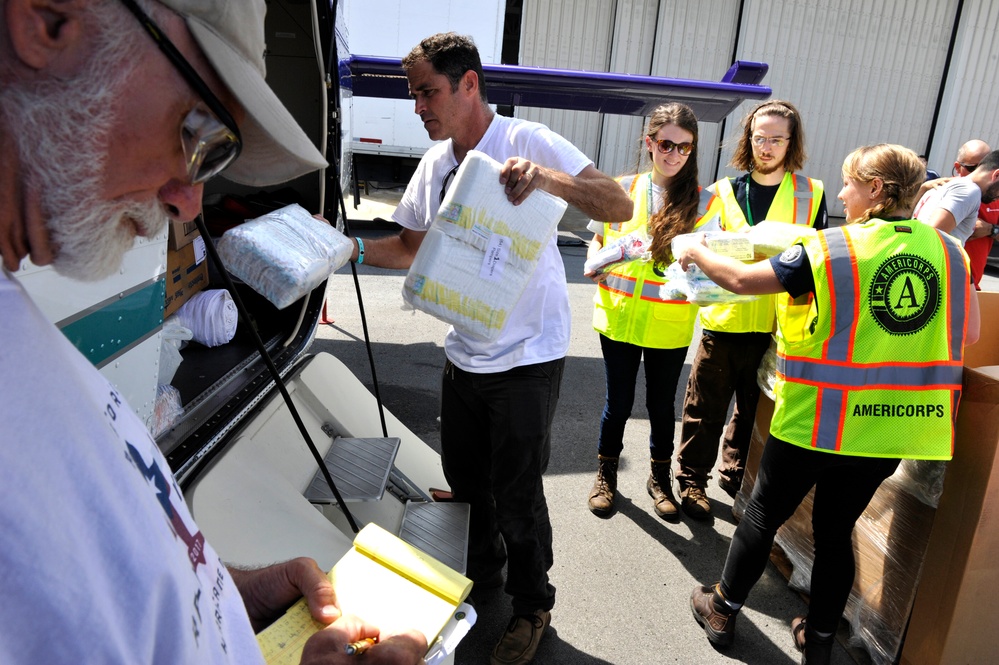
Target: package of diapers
<point>480,252</point>
<point>284,254</point>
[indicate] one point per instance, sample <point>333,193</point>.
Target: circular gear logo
<point>905,294</point>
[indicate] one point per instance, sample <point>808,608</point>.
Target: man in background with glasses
<point>771,149</point>
<point>962,206</point>
<point>112,116</point>
<point>498,398</point>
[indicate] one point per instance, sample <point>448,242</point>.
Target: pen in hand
<point>360,646</point>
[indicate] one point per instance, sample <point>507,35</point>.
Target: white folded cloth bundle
<point>480,252</point>
<point>284,254</point>
<point>211,317</point>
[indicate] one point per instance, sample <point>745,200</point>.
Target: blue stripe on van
<point>118,324</point>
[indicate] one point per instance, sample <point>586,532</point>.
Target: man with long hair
<point>771,150</point>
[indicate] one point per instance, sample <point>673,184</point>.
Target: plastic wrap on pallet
<point>478,256</point>
<point>890,541</point>
<point>285,254</point>
<point>623,249</point>
<point>766,373</point>
<point>696,287</point>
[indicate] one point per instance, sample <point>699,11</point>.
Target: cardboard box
<point>956,614</point>
<point>186,274</point>
<point>181,233</point>
<point>924,574</point>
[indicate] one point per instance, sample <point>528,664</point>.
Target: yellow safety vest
<point>627,307</point>
<point>877,371</point>
<point>796,202</point>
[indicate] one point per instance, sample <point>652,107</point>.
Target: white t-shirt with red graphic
<point>101,561</point>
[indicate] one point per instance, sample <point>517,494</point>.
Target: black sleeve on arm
<point>822,217</point>
<point>794,271</point>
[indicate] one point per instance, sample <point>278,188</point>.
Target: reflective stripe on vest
<point>626,286</point>
<point>804,202</point>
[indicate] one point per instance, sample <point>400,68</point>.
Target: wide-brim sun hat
<point>231,35</point>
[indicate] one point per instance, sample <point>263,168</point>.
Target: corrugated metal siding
<point>859,71</point>
<point>970,108</point>
<point>632,48</point>
<point>574,34</point>
<point>696,41</point>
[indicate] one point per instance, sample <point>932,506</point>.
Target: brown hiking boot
<point>695,502</point>
<point>520,641</point>
<point>660,488</point>
<point>816,650</point>
<point>711,612</point>
<point>602,493</point>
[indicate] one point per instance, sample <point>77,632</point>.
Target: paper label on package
<point>733,246</point>
<point>496,256</point>
<point>481,231</point>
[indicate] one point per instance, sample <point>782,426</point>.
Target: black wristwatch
<point>994,231</point>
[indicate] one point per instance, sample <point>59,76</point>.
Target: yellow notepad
<point>385,581</point>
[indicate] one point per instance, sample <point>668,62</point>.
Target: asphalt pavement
<point>624,582</point>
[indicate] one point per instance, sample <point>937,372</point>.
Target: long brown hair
<point>899,170</point>
<point>680,196</point>
<point>795,156</point>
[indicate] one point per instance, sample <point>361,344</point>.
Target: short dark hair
<point>450,54</point>
<point>990,162</point>
<point>795,156</point>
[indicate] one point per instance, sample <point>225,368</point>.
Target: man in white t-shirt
<point>103,137</point>
<point>953,207</point>
<point>498,398</point>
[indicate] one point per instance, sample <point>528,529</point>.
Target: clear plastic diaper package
<point>479,254</point>
<point>284,254</point>
<point>623,249</point>
<point>696,287</point>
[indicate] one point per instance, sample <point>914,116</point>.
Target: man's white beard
<point>63,133</point>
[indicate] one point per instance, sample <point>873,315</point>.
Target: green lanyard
<point>749,204</point>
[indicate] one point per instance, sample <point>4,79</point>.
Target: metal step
<point>439,529</point>
<point>360,469</point>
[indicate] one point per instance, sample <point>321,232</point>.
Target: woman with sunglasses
<point>633,323</point>
<point>873,318</point>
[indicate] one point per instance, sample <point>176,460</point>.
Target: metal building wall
<point>970,105</point>
<point>574,34</point>
<point>860,71</point>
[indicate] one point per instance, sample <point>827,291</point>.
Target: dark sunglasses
<point>448,177</point>
<point>666,147</point>
<point>209,135</point>
<point>968,167</point>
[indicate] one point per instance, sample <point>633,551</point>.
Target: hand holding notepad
<point>384,581</point>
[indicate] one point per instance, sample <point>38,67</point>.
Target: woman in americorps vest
<point>872,324</point>
<point>632,321</point>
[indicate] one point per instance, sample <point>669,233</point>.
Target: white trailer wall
<point>391,28</point>
<point>860,71</point>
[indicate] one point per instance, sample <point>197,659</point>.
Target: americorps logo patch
<point>791,254</point>
<point>905,294</point>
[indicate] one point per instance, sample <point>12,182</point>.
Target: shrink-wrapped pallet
<point>480,252</point>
